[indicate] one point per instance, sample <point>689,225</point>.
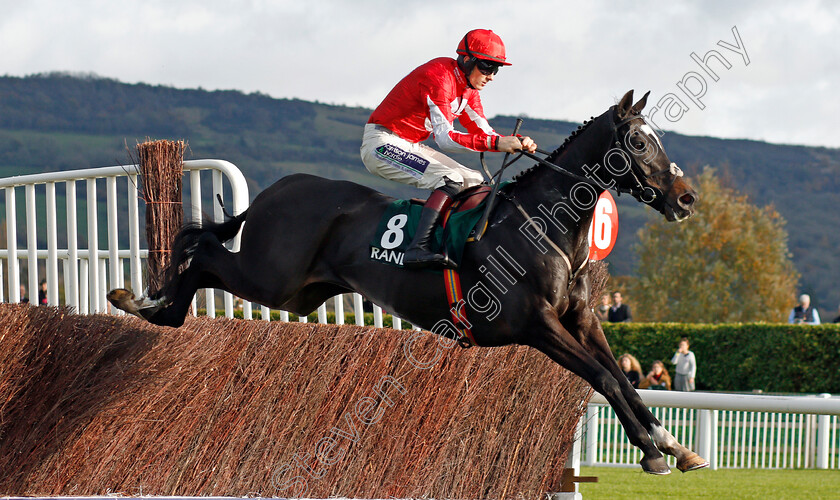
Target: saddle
<point>399,221</point>
<point>467,199</point>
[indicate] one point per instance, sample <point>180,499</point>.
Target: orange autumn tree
<point>729,263</point>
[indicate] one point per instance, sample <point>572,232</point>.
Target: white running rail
<point>729,430</point>
<point>89,272</point>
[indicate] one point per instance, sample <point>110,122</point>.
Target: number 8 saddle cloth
<point>399,221</point>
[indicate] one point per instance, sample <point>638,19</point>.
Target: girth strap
<point>458,307</point>
<point>455,297</point>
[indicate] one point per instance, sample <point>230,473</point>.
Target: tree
<point>729,263</point>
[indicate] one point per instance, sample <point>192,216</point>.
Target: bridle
<point>646,189</point>
<point>645,193</point>
<point>642,191</point>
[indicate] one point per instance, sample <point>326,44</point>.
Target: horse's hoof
<point>692,462</point>
<point>656,466</point>
<point>143,307</point>
<point>122,299</point>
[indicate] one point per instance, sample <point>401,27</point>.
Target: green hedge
<point>741,357</point>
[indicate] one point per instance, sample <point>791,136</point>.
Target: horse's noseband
<point>644,192</point>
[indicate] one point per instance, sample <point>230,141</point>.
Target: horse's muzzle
<point>682,208</point>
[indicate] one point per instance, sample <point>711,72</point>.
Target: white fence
<point>90,267</point>
<point>729,430</point>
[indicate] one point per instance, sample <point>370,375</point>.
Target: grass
<point>616,483</point>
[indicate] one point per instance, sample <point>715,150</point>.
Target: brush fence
<point>102,404</point>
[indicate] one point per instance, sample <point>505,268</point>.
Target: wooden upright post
<point>161,167</point>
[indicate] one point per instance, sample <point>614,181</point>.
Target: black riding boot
<point>419,255</point>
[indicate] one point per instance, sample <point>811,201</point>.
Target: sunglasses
<point>487,68</point>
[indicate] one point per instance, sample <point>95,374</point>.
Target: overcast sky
<point>570,60</point>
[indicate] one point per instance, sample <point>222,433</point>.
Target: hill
<point>61,122</point>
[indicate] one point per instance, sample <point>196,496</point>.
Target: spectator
<point>686,367</point>
<point>603,310</point>
<point>619,313</point>
<point>631,368</point>
<point>657,379</point>
<point>23,298</point>
<point>42,293</point>
<point>804,313</point>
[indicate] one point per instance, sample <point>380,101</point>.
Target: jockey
<point>427,102</point>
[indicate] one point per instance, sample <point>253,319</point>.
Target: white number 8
<point>393,237</point>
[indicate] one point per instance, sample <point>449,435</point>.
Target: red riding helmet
<point>480,44</point>
<point>483,44</point>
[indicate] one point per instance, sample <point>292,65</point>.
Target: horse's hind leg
<point>212,266</point>
<point>554,340</point>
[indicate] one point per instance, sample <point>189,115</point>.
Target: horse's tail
<point>185,243</point>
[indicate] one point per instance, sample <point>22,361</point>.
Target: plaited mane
<point>557,152</point>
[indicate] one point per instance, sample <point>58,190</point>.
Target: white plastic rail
<point>729,430</point>
<point>88,295</point>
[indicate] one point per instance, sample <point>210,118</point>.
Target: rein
<point>646,194</point>
<point>567,173</point>
<point>640,191</point>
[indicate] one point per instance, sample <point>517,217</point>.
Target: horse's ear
<point>625,103</point>
<point>639,106</point>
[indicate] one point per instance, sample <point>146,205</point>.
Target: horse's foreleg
<point>686,459</point>
<point>597,345</point>
<point>554,340</point>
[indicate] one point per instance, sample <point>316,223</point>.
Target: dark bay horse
<point>307,239</point>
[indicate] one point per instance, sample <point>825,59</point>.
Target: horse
<point>306,239</point>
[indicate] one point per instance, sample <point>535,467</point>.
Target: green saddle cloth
<point>399,223</point>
